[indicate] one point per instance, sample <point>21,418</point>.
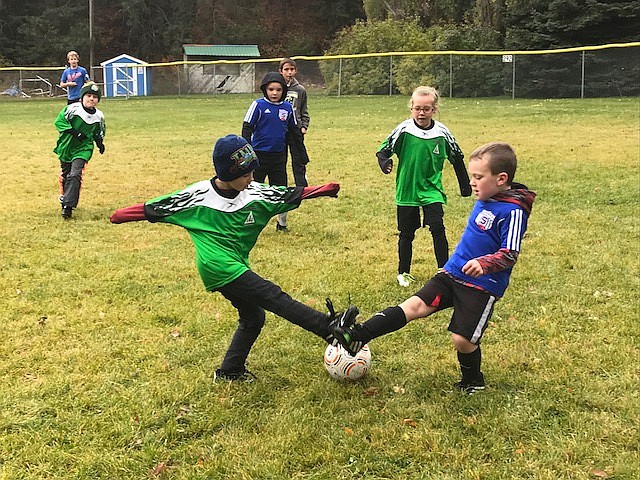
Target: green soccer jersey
<point>223,230</point>
<point>75,117</point>
<point>421,155</point>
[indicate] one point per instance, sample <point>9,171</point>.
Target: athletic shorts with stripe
<point>472,308</point>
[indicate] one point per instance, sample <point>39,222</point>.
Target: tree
<point>369,75</point>
<point>537,24</point>
<point>469,76</point>
<point>39,32</point>
<point>430,12</point>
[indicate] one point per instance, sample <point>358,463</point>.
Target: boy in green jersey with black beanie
<point>80,125</point>
<point>224,217</point>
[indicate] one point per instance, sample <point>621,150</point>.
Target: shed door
<point>125,80</point>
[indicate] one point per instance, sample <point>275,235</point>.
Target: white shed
<point>220,78</point>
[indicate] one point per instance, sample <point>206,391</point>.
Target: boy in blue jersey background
<point>476,275</point>
<point>269,125</point>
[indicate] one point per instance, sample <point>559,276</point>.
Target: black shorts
<point>472,308</point>
<point>409,217</point>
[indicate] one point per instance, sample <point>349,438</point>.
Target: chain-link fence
<point>605,71</point>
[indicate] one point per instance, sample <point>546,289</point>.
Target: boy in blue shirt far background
<point>74,77</point>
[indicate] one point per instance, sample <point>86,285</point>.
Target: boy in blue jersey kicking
<point>476,275</point>
<point>269,125</point>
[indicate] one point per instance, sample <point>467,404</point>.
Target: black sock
<point>387,321</point>
<point>470,365</point>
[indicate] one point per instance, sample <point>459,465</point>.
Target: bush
<point>473,76</point>
<point>367,76</point>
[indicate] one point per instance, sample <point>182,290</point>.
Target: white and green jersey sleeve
<point>223,230</point>
<point>421,155</point>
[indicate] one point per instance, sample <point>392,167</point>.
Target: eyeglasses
<point>423,109</point>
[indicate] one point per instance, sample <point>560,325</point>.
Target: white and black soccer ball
<point>343,366</point>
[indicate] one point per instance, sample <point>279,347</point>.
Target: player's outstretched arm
<point>326,190</point>
<point>134,213</point>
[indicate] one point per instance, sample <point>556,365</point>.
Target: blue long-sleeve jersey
<point>270,122</point>
<point>493,225</point>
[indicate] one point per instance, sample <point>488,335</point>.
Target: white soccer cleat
<point>405,279</point>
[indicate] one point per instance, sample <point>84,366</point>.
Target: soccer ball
<point>343,366</point>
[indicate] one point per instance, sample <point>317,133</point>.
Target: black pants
<point>272,165</point>
<point>251,295</point>
<point>71,181</point>
<point>409,222</point>
<point>299,167</point>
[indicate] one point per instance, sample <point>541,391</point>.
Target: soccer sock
<point>440,247</point>
<point>470,365</point>
<point>387,321</point>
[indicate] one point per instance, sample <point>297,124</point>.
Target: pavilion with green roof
<point>205,77</point>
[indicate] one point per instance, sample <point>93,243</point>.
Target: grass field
<point>110,341</point>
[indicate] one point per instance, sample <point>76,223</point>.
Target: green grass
<point>109,340</point>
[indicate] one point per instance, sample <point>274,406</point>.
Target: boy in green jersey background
<point>224,217</point>
<point>422,145</point>
<point>80,124</point>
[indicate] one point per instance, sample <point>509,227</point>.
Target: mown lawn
<point>110,341</point>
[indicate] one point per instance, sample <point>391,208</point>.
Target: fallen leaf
<point>348,431</point>
<point>161,467</point>
<point>175,333</point>
<point>410,421</point>
<point>184,410</point>
<point>398,389</point>
<point>599,473</point>
<point>371,391</point>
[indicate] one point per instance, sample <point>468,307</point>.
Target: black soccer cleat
<point>244,376</point>
<point>67,212</point>
<point>342,327</point>
<point>349,335</point>
<point>470,386</point>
